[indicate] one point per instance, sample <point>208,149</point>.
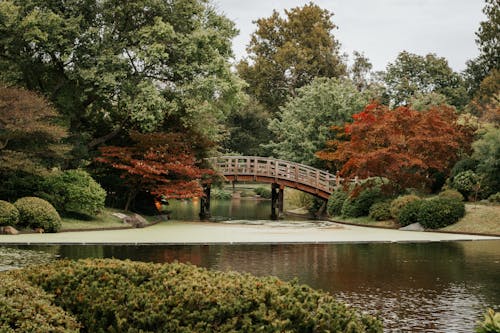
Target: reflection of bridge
<point>279,173</point>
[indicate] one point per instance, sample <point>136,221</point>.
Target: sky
<point>381,29</point>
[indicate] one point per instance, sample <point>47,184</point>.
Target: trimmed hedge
<point>453,194</point>
<point>380,211</point>
<point>74,191</point>
<point>335,202</point>
<point>24,308</point>
<point>124,296</point>
<point>434,213</point>
<point>9,215</point>
<point>37,213</point>
<point>401,201</point>
<point>356,206</point>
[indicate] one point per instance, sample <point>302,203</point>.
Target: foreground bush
<point>124,296</point>
<point>9,215</point>
<point>24,308</point>
<point>401,201</point>
<point>335,202</point>
<point>434,213</point>
<point>491,323</point>
<point>38,213</point>
<point>74,191</point>
<point>409,213</point>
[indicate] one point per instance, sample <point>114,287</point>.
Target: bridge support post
<point>276,201</point>
<point>205,203</point>
<point>281,196</point>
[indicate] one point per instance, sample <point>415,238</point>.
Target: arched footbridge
<point>277,172</point>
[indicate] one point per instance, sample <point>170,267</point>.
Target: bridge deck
<point>271,170</point>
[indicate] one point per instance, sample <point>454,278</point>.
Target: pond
<point>415,287</point>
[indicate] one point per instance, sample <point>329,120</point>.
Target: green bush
<point>466,182</point>
<point>453,194</point>
<point>491,323</point>
<point>440,212</point>
<point>401,201</point>
<point>220,194</point>
<point>380,211</point>
<point>494,197</point>
<point>359,205</point>
<point>24,308</point>
<point>9,215</point>
<point>38,213</point>
<point>74,191</point>
<point>125,296</point>
<point>408,213</point>
<point>335,202</point>
<point>263,192</point>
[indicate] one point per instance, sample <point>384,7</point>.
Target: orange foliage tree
<point>403,145</point>
<point>163,164</point>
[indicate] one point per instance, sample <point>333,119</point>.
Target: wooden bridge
<point>277,172</point>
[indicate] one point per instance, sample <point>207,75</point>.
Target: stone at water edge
<point>120,216</point>
<point>413,227</point>
<point>136,221</point>
<point>8,230</point>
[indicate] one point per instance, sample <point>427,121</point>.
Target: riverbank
<point>236,232</point>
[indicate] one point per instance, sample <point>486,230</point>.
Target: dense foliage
<point>490,324</point>
<point>26,308</point>
<point>407,147</point>
<point>74,191</point>
<point>401,201</point>
<point>263,192</point>
<point>335,202</point>
<point>408,214</point>
<point>380,211</point>
<point>450,193</point>
<point>124,296</point>
<point>434,213</point>
<point>37,213</point>
<point>9,215</point>
<point>358,202</point>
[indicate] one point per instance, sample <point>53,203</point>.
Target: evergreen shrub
<point>9,215</point>
<point>466,183</point>
<point>25,308</point>
<point>335,202</point>
<point>453,194</point>
<point>37,213</point>
<point>380,211</point>
<point>494,198</point>
<point>440,212</point>
<point>263,192</point>
<point>401,201</point>
<point>122,296</point>
<point>74,191</point>
<point>359,205</point>
<point>409,212</point>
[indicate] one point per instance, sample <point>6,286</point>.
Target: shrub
<point>74,191</point>
<point>335,202</point>
<point>220,194</point>
<point>24,308</point>
<point>38,213</point>
<point>9,215</point>
<point>491,323</point>
<point>440,212</point>
<point>466,182</point>
<point>494,197</point>
<point>263,192</point>
<point>125,296</point>
<point>453,194</point>
<point>401,201</point>
<point>380,211</point>
<point>359,205</point>
<point>408,213</point>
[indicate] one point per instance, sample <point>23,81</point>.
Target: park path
<point>212,233</point>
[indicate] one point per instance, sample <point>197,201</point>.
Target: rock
<point>413,227</point>
<point>136,221</point>
<point>8,230</point>
<point>39,230</point>
<point>120,216</point>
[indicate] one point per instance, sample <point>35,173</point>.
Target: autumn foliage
<point>403,145</point>
<point>162,163</point>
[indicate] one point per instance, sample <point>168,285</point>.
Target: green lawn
<point>102,221</point>
<point>479,218</point>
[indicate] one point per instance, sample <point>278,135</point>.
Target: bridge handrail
<point>276,168</point>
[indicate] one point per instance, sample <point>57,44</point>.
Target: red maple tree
<point>162,163</point>
<point>403,145</point>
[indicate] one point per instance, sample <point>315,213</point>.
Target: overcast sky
<point>379,28</point>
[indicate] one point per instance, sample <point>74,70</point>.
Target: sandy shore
<point>210,233</point>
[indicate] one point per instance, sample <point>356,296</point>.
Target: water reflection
<point>418,287</point>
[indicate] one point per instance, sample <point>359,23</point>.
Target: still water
<point>414,287</point>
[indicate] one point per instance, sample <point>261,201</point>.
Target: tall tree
<point>302,126</point>
<point>359,72</point>
<point>110,65</point>
<point>162,163</point>
<point>411,74</point>
<point>286,53</point>
<point>407,147</point>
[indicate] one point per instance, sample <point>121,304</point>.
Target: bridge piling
<point>205,203</point>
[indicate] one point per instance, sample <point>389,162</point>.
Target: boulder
<point>413,227</point>
<point>8,230</point>
<point>136,221</point>
<point>120,215</point>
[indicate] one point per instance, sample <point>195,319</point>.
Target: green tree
<point>487,153</point>
<point>359,72</point>
<point>411,74</point>
<point>286,53</point>
<point>303,124</point>
<point>113,65</point>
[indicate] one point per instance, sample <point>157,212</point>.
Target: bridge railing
<point>275,168</point>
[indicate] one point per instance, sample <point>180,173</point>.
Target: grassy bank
<point>103,220</point>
